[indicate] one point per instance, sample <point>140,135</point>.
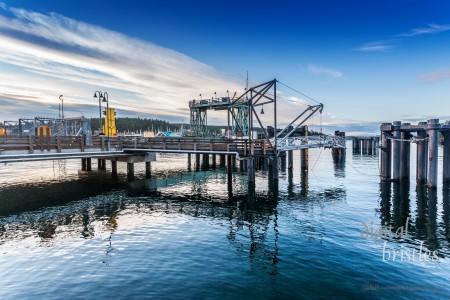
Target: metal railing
<point>314,141</point>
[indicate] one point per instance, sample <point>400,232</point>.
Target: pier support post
<point>205,159</point>
<point>376,143</point>
<point>189,162</point>
<point>114,169</point>
<point>214,161</point>
<point>130,171</point>
<point>99,164</point>
<point>385,154</point>
<point>222,160</point>
<point>283,161</point>
<point>369,146</point>
<point>148,170</point>
<point>355,143</point>
<point>88,164</point>
<point>422,151</point>
<point>83,164</point>
<point>304,161</point>
<point>396,150</point>
<point>446,157</point>
<point>229,169</point>
<point>405,153</point>
<point>197,161</point>
<point>250,170</point>
<point>275,168</point>
<point>433,136</point>
<point>290,159</point>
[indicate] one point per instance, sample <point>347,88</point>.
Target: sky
<point>368,62</point>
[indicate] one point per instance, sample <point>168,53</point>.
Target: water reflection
<point>395,211</point>
<point>446,210</point>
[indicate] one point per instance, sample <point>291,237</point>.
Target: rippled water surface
<point>65,233</point>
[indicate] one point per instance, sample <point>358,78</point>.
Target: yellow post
<point>110,122</point>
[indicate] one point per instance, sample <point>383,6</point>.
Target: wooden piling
<point>396,150</point>
<point>376,144</point>
<point>275,168</point>
<point>83,164</point>
<point>197,160</point>
<point>250,170</point>
<point>229,169</point>
<point>355,144</point>
<point>304,160</point>
<point>214,160</point>
<point>385,154</point>
<point>114,169</point>
<point>405,152</point>
<point>422,151</point>
<point>148,169</point>
<point>222,160</point>
<point>130,171</point>
<point>206,159</point>
<point>433,143</point>
<point>88,164</point>
<point>283,161</point>
<point>290,159</point>
<point>446,157</point>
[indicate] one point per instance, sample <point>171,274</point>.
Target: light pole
<point>100,98</point>
<point>61,98</point>
<point>62,106</point>
<point>107,121</point>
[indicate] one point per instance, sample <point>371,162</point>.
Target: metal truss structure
<point>59,127</point>
<point>244,115</point>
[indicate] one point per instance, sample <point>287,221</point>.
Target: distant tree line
<point>138,124</point>
<point>148,124</point>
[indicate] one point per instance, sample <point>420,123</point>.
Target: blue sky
<point>367,61</point>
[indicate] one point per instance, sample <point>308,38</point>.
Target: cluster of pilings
<point>366,145</point>
<point>395,148</point>
<point>86,164</point>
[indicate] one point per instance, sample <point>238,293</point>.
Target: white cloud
<point>385,46</point>
<point>3,6</point>
<point>380,46</point>
<point>431,29</point>
<point>435,76</point>
<point>316,70</point>
<point>49,54</point>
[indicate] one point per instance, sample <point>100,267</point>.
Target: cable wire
<point>298,92</point>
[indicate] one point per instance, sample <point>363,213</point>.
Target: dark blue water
<point>184,234</point>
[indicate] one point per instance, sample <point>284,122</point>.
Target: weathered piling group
<point>365,145</point>
<point>396,139</point>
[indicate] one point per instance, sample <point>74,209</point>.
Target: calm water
<point>71,234</point>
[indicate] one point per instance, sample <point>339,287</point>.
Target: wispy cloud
<point>45,55</point>
<point>387,45</point>
<point>431,29</point>
<point>380,46</point>
<point>3,6</point>
<point>434,77</point>
<point>316,70</point>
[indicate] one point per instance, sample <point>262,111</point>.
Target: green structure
<point>237,114</point>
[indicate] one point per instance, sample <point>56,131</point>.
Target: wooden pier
<point>251,139</point>
<point>251,154</point>
<point>396,139</point>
